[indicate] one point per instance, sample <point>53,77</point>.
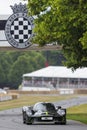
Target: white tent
<point>58,72</point>
<point>57,77</point>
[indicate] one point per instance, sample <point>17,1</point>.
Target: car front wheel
<point>29,120</point>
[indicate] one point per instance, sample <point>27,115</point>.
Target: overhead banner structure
<point>18,29</point>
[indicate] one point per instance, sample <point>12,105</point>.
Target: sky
<point>5,6</point>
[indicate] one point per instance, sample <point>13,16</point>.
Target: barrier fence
<point>60,91</point>
<point>5,97</point>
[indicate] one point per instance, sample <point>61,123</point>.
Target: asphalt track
<point>12,119</point>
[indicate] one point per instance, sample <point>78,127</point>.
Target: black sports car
<point>44,112</point>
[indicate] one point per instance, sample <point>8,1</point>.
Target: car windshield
<point>45,107</point>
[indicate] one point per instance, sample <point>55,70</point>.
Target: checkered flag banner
<point>19,26</point>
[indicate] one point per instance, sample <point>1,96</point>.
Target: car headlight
<point>29,113</point>
<point>61,112</point>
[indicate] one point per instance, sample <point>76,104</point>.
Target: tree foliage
<point>64,22</point>
<point>13,64</point>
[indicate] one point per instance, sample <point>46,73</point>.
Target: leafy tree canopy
<point>64,22</point>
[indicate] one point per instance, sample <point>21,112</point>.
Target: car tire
<point>56,123</point>
<point>63,123</point>
<point>28,122</point>
<point>23,121</point>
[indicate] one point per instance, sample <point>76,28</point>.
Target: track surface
<point>12,119</point>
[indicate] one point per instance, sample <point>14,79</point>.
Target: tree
<point>25,63</point>
<point>64,22</point>
<point>2,76</point>
<point>5,64</point>
<point>20,67</point>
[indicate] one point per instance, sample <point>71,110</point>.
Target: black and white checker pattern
<point>21,29</point>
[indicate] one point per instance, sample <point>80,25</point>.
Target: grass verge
<point>30,100</point>
<point>78,113</point>
<point>78,117</point>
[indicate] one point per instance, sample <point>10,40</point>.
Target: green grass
<point>30,100</point>
<point>78,113</point>
<point>78,117</point>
